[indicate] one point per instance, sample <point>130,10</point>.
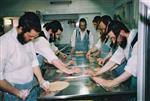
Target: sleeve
<point>91,40</point>
<point>53,47</point>
<point>118,56</point>
<point>131,66</point>
<point>3,57</point>
<point>98,44</point>
<point>43,48</point>
<point>73,38</point>
<point>35,61</point>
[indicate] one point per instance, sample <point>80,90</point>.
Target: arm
<point>37,72</point>
<point>102,61</point>
<point>63,55</point>
<point>4,85</point>
<point>73,42</point>
<point>42,47</point>
<point>123,77</point>
<point>63,67</point>
<point>115,59</point>
<point>94,49</point>
<point>106,67</point>
<point>91,40</point>
<point>108,84</point>
<point>90,52</point>
<point>108,56</point>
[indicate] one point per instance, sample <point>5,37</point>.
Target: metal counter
<point>82,86</point>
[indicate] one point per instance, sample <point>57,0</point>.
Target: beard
<point>52,38</point>
<point>123,43</point>
<point>21,38</point>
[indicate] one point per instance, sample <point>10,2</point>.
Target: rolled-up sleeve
<point>118,56</point>
<point>42,47</point>
<point>35,61</point>
<point>73,39</point>
<point>131,66</point>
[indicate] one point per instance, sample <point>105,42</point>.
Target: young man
<point>51,32</point>
<point>82,38</point>
<point>124,60</point>
<point>18,62</point>
<point>96,22</point>
<point>104,43</point>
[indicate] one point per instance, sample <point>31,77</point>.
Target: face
<point>102,27</point>
<point>95,25</point>
<point>82,26</point>
<point>112,36</point>
<point>58,34</point>
<point>122,41</point>
<point>23,38</point>
<point>54,36</point>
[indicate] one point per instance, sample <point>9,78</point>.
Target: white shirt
<point>98,44</point>
<point>82,34</point>
<point>131,66</point>
<point>121,54</point>
<point>53,47</point>
<point>43,48</point>
<point>16,60</point>
<point>46,33</point>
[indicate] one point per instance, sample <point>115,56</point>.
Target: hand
<point>106,84</point>
<point>89,72</point>
<point>73,70</point>
<point>45,85</point>
<point>76,70</point>
<point>70,62</point>
<point>64,56</point>
<point>88,55</point>
<point>23,94</point>
<point>101,61</point>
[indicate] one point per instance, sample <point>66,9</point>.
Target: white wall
<point>17,7</point>
<point>68,28</point>
<point>84,8</point>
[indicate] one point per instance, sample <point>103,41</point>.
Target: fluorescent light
<point>7,22</point>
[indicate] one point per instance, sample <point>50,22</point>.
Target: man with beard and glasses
<point>18,62</point>
<point>124,60</point>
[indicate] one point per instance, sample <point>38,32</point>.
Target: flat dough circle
<point>58,85</point>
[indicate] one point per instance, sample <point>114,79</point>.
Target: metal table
<point>82,87</point>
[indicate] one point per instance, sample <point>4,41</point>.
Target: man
<point>18,62</point>
<point>51,32</point>
<point>82,38</point>
<point>104,43</point>
<point>96,21</point>
<point>127,51</point>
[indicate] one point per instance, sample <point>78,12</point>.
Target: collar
<point>46,33</point>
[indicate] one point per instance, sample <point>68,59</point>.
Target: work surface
<point>81,85</point>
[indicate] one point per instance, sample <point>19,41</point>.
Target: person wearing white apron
<point>125,40</point>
